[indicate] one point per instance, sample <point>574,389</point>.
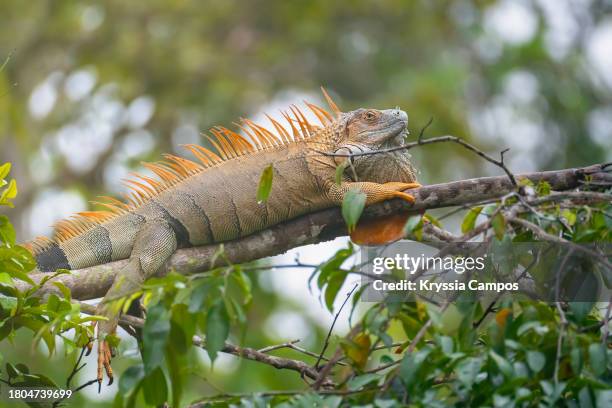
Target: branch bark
<point>247,353</point>
<point>321,226</point>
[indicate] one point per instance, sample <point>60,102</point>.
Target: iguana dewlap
<point>213,199</point>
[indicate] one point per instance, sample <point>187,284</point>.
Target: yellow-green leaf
<point>470,219</point>
<point>265,184</point>
<point>340,171</point>
<point>358,350</point>
<point>217,329</point>
<point>570,216</point>
<point>499,226</point>
<point>4,170</point>
<point>352,207</point>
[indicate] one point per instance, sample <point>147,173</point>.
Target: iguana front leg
<point>380,231</point>
<point>154,244</point>
<point>374,192</point>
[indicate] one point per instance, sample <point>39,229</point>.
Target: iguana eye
<point>369,115</point>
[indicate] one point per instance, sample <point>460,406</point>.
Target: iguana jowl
<point>214,200</point>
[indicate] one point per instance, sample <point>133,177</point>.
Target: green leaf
<point>499,226</point>
<point>469,221</point>
<point>543,188</point>
<point>581,310</point>
<point>570,216</point>
<point>217,329</point>
<point>352,207</point>
<point>576,359</point>
<point>357,382</point>
<point>328,268</point>
<point>37,380</point>
<point>536,360</point>
<point>53,303</point>
<point>155,387</point>
<point>182,329</point>
<point>333,286</point>
<point>413,223</point>
<point>446,344</point>
<point>199,294</point>
<point>358,350</point>
<point>503,364</point>
<point>176,364</point>
<point>9,193</point>
<point>12,371</point>
<point>585,400</point>
<point>155,336</point>
<point>131,378</point>
<point>597,358</point>
<point>411,363</point>
<point>64,289</point>
<point>467,370</point>
<point>265,184</point>
<point>5,170</point>
<point>340,171</point>
<point>7,232</point>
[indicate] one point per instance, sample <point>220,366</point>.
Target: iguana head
<point>375,128</point>
<point>370,130</point>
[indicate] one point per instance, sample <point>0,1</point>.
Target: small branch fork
<point>248,353</point>
<point>77,367</point>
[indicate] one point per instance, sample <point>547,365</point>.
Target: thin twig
<point>563,322</point>
<point>331,328</point>
<point>76,367</point>
<point>441,139</point>
<point>57,402</point>
<point>605,323</point>
<point>291,345</point>
<point>278,346</point>
<point>545,236</point>
<point>255,355</point>
<point>422,132</point>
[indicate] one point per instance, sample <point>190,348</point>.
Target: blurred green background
<point>89,89</point>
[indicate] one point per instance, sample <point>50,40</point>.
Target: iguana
<point>213,199</point>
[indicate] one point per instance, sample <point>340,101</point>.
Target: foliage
<point>48,321</point>
<point>524,354</point>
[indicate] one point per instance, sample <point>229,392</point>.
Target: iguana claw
<point>105,353</point>
<point>404,196</point>
<point>104,359</point>
<point>399,187</point>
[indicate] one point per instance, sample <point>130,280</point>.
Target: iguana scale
<point>214,199</point>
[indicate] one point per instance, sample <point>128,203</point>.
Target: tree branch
<point>321,226</point>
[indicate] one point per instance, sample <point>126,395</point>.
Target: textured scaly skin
<point>219,203</point>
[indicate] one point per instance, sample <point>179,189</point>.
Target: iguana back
<point>206,202</point>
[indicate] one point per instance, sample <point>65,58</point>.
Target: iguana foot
<point>400,187</point>
<point>104,360</point>
<point>105,354</point>
<point>397,185</point>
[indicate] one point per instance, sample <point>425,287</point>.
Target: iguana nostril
<point>400,114</point>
